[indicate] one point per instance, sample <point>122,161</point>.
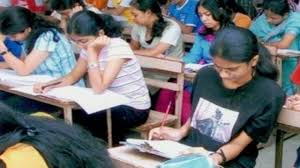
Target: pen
<point>166,115</point>
<point>51,84</point>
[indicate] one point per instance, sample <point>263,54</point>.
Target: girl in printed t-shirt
<point>222,121</point>
<point>110,64</point>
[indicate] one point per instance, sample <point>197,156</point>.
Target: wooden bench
<point>167,67</point>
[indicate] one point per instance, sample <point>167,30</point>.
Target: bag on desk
<point>190,161</point>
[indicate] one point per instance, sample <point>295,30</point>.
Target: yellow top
<point>127,13</point>
<point>23,156</point>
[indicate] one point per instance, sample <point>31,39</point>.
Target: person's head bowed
<point>238,57</point>
<point>20,24</point>
<point>212,14</point>
<point>85,26</point>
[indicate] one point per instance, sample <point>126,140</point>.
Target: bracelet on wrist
<point>92,65</point>
<point>221,153</point>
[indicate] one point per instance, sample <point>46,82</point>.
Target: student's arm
<point>74,76</point>
<point>3,65</point>
<point>232,149</point>
<point>285,42</point>
<point>31,62</point>
<point>101,80</point>
<point>157,51</point>
<point>134,45</point>
<point>168,133</point>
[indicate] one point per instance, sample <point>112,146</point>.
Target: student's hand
<point>75,10</point>
<point>98,44</point>
<point>45,87</point>
<point>272,49</point>
<point>293,102</point>
<point>167,133</point>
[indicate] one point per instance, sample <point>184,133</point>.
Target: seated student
<point>13,47</point>
<point>222,121</point>
<point>184,13</point>
<point>46,49</point>
<point>238,15</point>
<point>61,10</point>
<point>119,8</point>
<point>214,19</point>
<point>110,64</point>
<point>41,142</point>
<point>279,28</point>
<point>248,6</point>
<point>153,35</point>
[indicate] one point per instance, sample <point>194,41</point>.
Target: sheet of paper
<point>11,77</point>
<point>288,52</point>
<point>195,67</point>
<point>164,148</point>
<point>84,97</point>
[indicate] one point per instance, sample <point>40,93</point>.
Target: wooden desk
<point>288,122</point>
<point>66,105</point>
<point>127,157</point>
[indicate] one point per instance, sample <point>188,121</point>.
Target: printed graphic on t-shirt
<point>214,121</point>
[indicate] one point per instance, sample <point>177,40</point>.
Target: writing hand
<point>166,133</point>
<point>45,87</point>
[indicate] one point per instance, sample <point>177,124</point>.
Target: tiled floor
<point>266,156</point>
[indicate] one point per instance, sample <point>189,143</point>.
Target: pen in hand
<point>166,115</point>
<point>46,87</point>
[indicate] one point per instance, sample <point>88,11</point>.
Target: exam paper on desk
<point>84,97</point>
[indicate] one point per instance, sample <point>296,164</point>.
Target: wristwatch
<point>92,65</point>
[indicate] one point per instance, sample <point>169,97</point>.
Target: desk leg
<point>279,148</point>
<point>109,127</point>
<point>68,115</point>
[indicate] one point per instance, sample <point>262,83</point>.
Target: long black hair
<point>240,45</point>
<point>16,19</point>
<point>232,7</point>
<point>279,7</point>
<point>218,13</point>
<point>86,23</point>
<point>152,5</point>
<point>61,145</point>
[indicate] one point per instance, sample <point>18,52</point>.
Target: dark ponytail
<point>61,145</point>
<point>16,19</point>
<point>240,45</point>
<point>85,23</point>
<point>152,5</point>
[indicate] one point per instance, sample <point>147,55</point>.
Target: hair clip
<point>31,131</point>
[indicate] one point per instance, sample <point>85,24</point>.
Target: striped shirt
<point>130,80</point>
<point>61,59</point>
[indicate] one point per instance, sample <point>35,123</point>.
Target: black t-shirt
<point>220,114</point>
